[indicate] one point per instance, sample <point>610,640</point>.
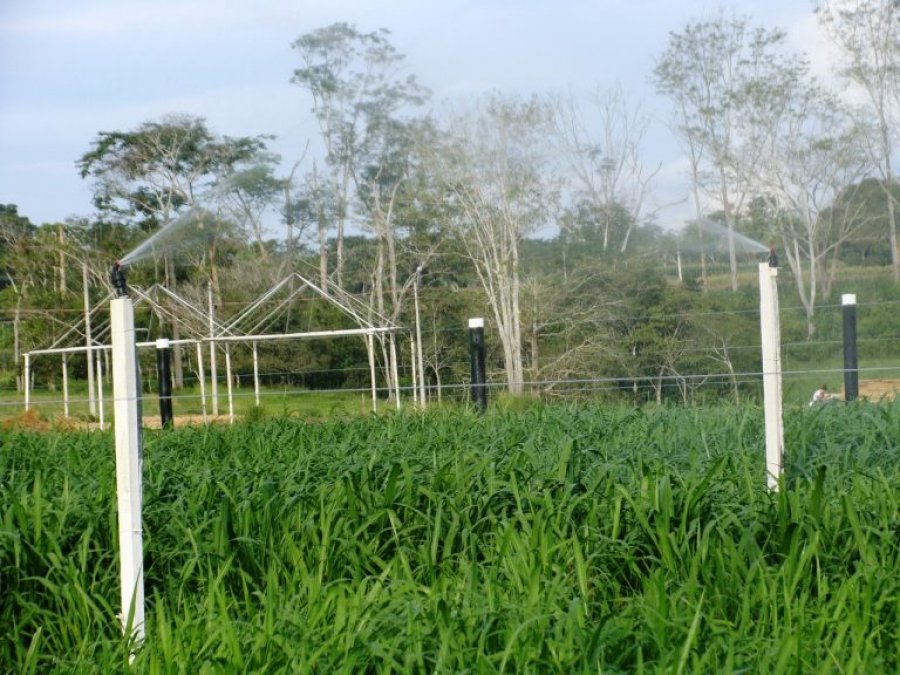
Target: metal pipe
<point>164,375</point>
<point>256,372</point>
<point>344,332</point>
<point>213,375</point>
<point>370,348</point>
<point>27,382</point>
<point>92,402</point>
<point>851,365</point>
<point>65,384</point>
<point>415,388</point>
<point>201,378</point>
<point>394,370</point>
<point>228,384</point>
<point>99,372</point>
<point>420,359</point>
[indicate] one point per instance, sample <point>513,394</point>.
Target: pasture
<point>555,538</point>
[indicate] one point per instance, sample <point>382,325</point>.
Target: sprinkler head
<point>773,257</point>
<point>119,282</point>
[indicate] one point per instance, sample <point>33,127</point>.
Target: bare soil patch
<point>877,390</point>
<point>31,420</point>
<point>154,422</point>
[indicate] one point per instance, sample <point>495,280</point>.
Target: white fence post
<point>770,330</point>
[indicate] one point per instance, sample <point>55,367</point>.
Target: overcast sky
<point>72,68</point>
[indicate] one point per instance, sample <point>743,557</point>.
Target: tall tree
<point>17,265</point>
<point>714,71</point>
<point>391,162</point>
<point>247,193</point>
<point>154,174</point>
<point>500,182</point>
<point>313,208</point>
<point>357,88</point>
<point>817,153</point>
<point>602,145</point>
<point>387,182</point>
<point>868,34</point>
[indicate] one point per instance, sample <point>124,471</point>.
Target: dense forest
<point>537,213</point>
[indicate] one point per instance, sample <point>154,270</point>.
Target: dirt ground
<point>153,422</point>
<point>873,390</point>
<point>33,421</point>
<point>876,390</point>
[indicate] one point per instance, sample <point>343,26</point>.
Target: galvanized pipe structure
<point>213,332</point>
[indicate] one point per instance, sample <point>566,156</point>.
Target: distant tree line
<point>537,212</point>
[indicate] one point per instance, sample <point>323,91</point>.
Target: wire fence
<point>683,370</point>
<point>241,400</point>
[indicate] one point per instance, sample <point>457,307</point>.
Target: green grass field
<point>49,405</point>
<point>553,539</point>
<point>801,378</point>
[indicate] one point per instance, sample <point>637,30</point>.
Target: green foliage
<point>867,202</point>
<point>594,230</point>
<point>550,539</point>
<point>151,172</point>
<point>591,311</point>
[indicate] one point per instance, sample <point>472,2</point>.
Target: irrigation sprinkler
<point>127,416</point>
<point>119,280</point>
<point>476,358</point>
<point>770,330</point>
<point>851,367</point>
<point>203,321</point>
<point>164,375</point>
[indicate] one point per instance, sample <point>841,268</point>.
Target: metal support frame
<point>208,330</point>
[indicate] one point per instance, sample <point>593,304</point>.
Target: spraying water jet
<point>719,237</point>
<point>186,230</point>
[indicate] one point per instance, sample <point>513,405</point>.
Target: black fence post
<point>851,367</point>
<point>164,374</point>
<point>476,358</point>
